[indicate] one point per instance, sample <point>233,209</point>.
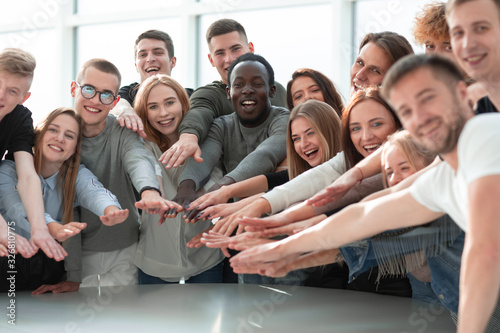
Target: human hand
<point>338,189</point>
<point>129,118</point>
<point>282,267</point>
<point>61,287</point>
<point>211,198</point>
<point>113,215</point>
<point>153,203</point>
<point>221,210</point>
<point>186,146</point>
<point>288,229</point>
<point>216,240</point>
<point>41,238</point>
<point>186,193</point>
<point>61,232</point>
<point>266,259</point>
<point>196,242</point>
<point>21,245</point>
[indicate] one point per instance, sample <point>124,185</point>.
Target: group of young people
<point>168,184</point>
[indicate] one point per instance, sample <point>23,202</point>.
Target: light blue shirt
<point>89,193</point>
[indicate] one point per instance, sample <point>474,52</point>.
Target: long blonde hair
<point>417,156</point>
<point>141,102</point>
<point>325,122</point>
<point>69,169</point>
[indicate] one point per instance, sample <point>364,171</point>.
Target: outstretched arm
<point>241,189</point>
<point>29,188</point>
<point>480,272</point>
<point>353,223</point>
<point>368,167</point>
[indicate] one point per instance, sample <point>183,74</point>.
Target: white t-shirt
<point>441,190</point>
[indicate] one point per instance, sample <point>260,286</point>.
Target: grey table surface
<point>217,308</point>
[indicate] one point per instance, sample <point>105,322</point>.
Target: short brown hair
<point>394,45</point>
<point>158,35</point>
<point>141,102</point>
<point>225,26</point>
<point>451,4</point>
<point>442,69</point>
<point>102,65</point>
<point>431,23</point>
<point>17,62</point>
<point>330,94</point>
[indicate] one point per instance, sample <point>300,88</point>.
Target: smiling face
<point>369,125</point>
<point>92,111</point>
<point>250,92</point>
<point>305,88</point>
<point>59,141</point>
<point>475,38</point>
<point>429,110</point>
<point>225,49</point>
<point>13,91</point>
<point>306,141</point>
<point>369,68</point>
<point>164,111</point>
<point>152,58</point>
<point>396,165</point>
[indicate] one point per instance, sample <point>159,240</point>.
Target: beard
<point>453,122</point>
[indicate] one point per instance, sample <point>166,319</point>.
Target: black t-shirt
<point>276,178</point>
<point>484,105</point>
<point>129,92</point>
<point>16,132</point>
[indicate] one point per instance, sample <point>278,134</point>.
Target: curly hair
<point>431,24</point>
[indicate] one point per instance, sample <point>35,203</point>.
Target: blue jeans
<point>212,275</point>
<point>444,267</point>
<point>422,291</point>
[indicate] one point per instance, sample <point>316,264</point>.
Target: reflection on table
<point>197,308</point>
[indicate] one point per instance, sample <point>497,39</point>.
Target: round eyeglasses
<point>88,92</point>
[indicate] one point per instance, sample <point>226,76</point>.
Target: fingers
<point>197,155</point>
<point>225,252</point>
<point>48,245</point>
<point>133,122</point>
<point>24,247</point>
<point>176,158</point>
<point>42,289</point>
<point>115,217</point>
<point>69,230</point>
<point>191,216</point>
<point>3,251</point>
<point>202,202</point>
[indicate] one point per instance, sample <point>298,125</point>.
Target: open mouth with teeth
<point>371,148</point>
<point>166,122</point>
<point>56,148</point>
<point>311,153</point>
<point>357,86</point>
<point>152,70</point>
<point>248,104</point>
<point>91,109</point>
<point>474,60</point>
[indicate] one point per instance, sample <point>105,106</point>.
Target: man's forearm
<point>479,286</point>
